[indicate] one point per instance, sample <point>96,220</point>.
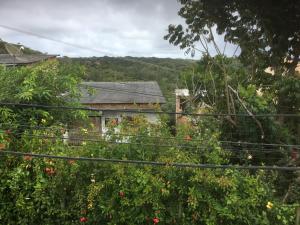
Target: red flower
<point>155,220</point>
<point>187,138</point>
<point>49,171</point>
<point>294,154</point>
<point>2,146</point>
<point>83,219</point>
<point>27,157</point>
<point>121,194</point>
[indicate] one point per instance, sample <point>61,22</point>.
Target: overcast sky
<point>113,27</point>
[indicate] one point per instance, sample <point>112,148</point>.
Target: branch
<point>248,111</point>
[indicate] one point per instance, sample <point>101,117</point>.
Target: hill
<point>165,71</point>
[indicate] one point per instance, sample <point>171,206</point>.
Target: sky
<point>111,27</point>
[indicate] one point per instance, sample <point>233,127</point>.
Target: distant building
<point>130,96</point>
<point>18,55</point>
<point>21,60</point>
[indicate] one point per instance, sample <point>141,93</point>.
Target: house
<point>128,97</point>
<point>21,60</point>
<point>18,55</point>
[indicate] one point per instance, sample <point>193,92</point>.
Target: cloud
<point>117,27</point>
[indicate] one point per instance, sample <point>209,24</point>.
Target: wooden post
<point>297,216</point>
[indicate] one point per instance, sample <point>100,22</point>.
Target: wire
<point>82,47</point>
<point>153,163</point>
<point>247,151</point>
<point>142,111</point>
<point>239,143</point>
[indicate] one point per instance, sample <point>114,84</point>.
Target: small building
<point>21,60</point>
<point>127,97</point>
<point>18,55</point>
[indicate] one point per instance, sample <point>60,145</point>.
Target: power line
<point>153,163</point>
<point>141,111</point>
<point>152,137</point>
<point>232,149</point>
<point>51,39</point>
<point>81,47</point>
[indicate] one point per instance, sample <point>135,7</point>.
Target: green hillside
<point>165,71</point>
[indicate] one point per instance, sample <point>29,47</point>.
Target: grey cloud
<point>120,27</point>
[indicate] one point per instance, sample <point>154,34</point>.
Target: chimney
<point>181,100</point>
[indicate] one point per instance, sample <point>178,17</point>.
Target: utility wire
<point>231,149</point>
<point>140,111</point>
<point>82,47</point>
<point>153,163</point>
<point>116,135</point>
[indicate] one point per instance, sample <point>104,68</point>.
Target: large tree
<point>268,30</point>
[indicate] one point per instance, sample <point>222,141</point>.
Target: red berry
<point>83,219</point>
<point>155,220</point>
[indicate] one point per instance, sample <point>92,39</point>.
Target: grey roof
<point>121,92</point>
<point>8,59</point>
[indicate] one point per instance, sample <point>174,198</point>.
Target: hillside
<point>163,70</point>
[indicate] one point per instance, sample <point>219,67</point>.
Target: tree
<point>47,83</point>
<point>268,30</point>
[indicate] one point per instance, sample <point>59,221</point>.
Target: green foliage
<point>48,83</point>
<point>256,26</point>
<point>49,191</point>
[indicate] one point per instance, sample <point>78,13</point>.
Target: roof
<point>8,59</point>
<point>121,92</point>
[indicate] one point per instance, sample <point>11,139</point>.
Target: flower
<point>85,131</point>
<point>269,205</point>
<point>83,143</point>
<point>93,180</point>
<point>121,194</point>
<point>27,157</point>
<point>43,121</point>
<point>83,219</point>
<point>49,171</point>
<point>155,220</point>
<point>2,146</point>
<point>71,162</point>
<point>187,138</point>
<point>249,156</point>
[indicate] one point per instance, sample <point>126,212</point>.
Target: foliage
<point>52,191</point>
<point>48,83</point>
<point>257,27</point>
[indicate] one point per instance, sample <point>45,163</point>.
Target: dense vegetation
<point>56,191</point>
